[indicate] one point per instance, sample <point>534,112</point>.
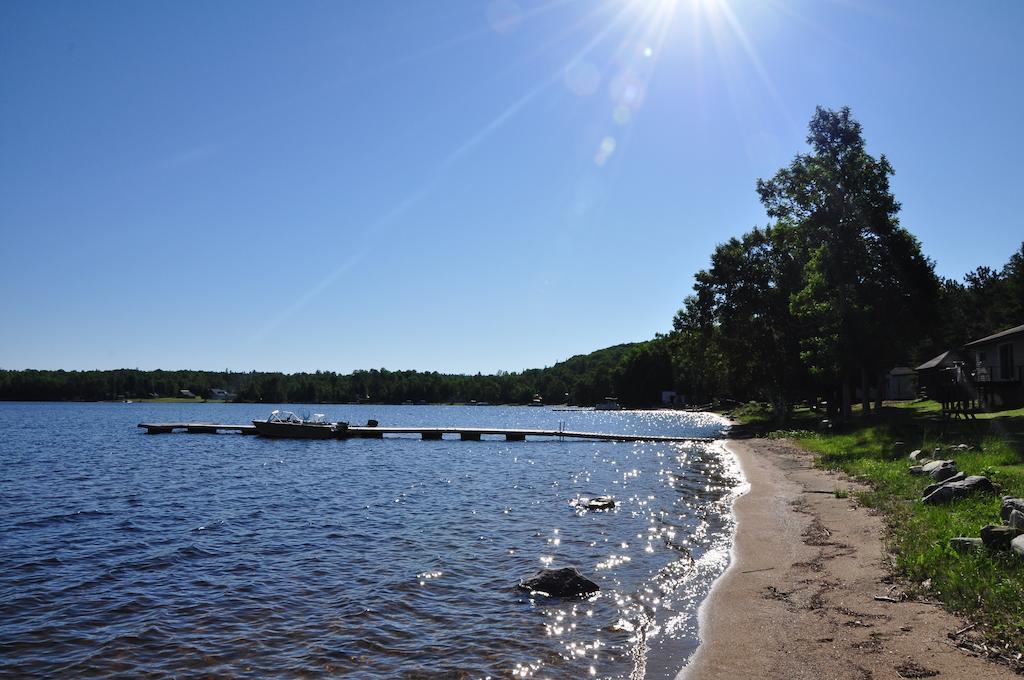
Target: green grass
<point>986,586</point>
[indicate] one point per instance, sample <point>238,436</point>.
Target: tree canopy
<point>834,289</point>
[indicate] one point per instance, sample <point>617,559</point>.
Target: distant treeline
<point>583,379</point>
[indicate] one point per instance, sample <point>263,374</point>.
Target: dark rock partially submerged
<point>564,582</point>
<point>595,503</point>
<point>965,487</point>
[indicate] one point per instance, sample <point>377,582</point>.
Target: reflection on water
<point>223,554</point>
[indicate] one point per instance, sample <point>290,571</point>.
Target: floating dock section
<point>429,433</point>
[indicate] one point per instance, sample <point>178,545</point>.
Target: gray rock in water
<point>595,503</point>
<point>1017,545</point>
<point>966,544</point>
<point>564,582</point>
<point>915,470</point>
<point>1016,520</point>
<point>998,536</point>
<point>943,471</point>
<point>932,487</point>
<point>965,487</point>
<point>1010,503</point>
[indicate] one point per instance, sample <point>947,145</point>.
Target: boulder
<point>945,470</point>
<point>915,470</point>
<point>601,503</point>
<point>966,544</point>
<point>962,447</point>
<point>932,487</point>
<point>1010,503</point>
<point>917,455</point>
<point>965,487</point>
<point>1016,520</point>
<point>1017,545</point>
<point>595,503</point>
<point>998,536</point>
<point>936,464</point>
<point>564,582</point>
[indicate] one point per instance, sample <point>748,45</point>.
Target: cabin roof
<point>997,336</point>
<point>937,361</point>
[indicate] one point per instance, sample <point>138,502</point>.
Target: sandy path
<point>798,598</point>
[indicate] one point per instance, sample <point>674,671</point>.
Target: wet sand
<point>798,600</point>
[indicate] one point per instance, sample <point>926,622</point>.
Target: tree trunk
<point>881,390</point>
<point>847,407</point>
<point>865,398</point>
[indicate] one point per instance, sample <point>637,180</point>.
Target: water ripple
<point>126,554</point>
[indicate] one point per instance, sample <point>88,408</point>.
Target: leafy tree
<point>868,292</point>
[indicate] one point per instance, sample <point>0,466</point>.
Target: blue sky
<point>452,185</point>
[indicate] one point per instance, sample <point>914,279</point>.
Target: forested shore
<point>585,379</point>
<point>826,298</point>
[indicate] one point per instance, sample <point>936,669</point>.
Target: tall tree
<point>868,293</point>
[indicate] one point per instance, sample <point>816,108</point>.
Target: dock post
<point>470,436</point>
<point>431,436</point>
<point>515,437</point>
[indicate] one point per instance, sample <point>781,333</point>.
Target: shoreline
<point>798,597</point>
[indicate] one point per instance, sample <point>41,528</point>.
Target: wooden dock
<point>430,433</point>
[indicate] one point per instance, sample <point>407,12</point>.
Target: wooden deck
<point>429,433</point>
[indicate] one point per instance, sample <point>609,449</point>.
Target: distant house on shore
<point>217,393</point>
<point>998,361</point>
<point>186,394</point>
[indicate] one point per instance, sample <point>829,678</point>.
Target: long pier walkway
<point>429,433</point>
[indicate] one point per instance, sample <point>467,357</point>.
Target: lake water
<point>125,554</point>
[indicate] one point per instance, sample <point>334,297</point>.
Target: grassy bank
<point>988,587</point>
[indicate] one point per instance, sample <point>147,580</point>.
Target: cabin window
<point>1006,361</point>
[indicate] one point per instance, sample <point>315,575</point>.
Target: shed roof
<point>951,356</point>
<point>997,336</point>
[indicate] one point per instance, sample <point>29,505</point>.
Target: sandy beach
<point>798,600</point>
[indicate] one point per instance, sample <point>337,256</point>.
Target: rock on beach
<point>998,536</point>
<point>1010,503</point>
<point>965,487</point>
<point>932,487</point>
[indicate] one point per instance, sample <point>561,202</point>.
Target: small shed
<point>901,383</point>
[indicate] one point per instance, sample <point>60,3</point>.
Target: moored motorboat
<point>287,425</point>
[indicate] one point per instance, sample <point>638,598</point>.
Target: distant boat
<point>287,425</point>
<point>536,401</point>
<point>609,404</point>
